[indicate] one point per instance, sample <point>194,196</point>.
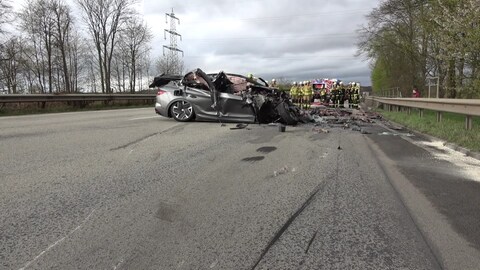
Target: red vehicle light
<point>161,92</point>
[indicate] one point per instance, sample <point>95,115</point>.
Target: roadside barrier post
<point>468,122</point>
<point>439,116</point>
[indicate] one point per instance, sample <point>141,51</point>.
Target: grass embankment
<point>451,129</point>
<point>25,109</point>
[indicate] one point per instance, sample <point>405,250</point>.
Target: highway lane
<point>125,189</point>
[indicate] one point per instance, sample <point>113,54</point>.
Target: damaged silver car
<point>222,97</point>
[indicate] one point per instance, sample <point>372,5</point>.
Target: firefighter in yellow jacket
<point>300,94</point>
<point>294,93</point>
<point>356,93</point>
<point>307,94</point>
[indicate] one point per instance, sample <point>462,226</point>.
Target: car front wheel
<point>287,114</point>
<point>182,111</point>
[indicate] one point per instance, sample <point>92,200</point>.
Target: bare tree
<point>135,37</point>
<point>5,11</point>
<point>62,30</point>
<point>9,67</point>
<point>77,60</point>
<point>169,64</point>
<point>104,19</point>
<point>5,14</point>
<point>37,21</point>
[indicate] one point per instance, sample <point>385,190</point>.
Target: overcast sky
<point>297,40</point>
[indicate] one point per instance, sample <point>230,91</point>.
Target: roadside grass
<point>451,129</point>
<point>59,108</point>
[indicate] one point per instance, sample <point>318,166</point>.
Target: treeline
<point>410,41</point>
<point>44,48</point>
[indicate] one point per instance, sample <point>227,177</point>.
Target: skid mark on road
<point>311,242</point>
<point>135,142</point>
<point>287,224</point>
<point>58,241</point>
<point>145,138</point>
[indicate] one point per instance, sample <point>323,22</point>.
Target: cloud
<point>297,40</point>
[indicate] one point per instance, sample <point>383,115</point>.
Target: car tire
<point>182,111</point>
<point>287,114</point>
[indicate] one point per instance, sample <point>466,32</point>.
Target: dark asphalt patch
<point>452,195</point>
<point>165,212</point>
<point>253,159</point>
<point>266,149</point>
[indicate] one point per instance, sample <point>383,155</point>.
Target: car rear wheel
<point>182,111</point>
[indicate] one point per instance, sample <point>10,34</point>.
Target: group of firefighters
<point>333,93</point>
<point>327,91</point>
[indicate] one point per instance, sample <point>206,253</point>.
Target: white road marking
<point>58,241</point>
<point>142,118</point>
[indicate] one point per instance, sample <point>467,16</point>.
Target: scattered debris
<point>283,170</point>
<point>363,131</point>
<point>318,119</point>
<point>320,130</point>
<point>239,126</point>
<point>356,128</point>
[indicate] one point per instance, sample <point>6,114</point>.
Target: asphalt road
<point>127,189</point>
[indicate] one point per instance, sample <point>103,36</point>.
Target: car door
<point>230,102</point>
<point>201,101</point>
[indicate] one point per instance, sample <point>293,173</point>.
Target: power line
<point>315,15</point>
<point>346,35</point>
<point>302,57</point>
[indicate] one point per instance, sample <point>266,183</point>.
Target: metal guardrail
<point>467,107</point>
<point>72,97</point>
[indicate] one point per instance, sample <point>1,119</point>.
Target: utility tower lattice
<point>173,49</point>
